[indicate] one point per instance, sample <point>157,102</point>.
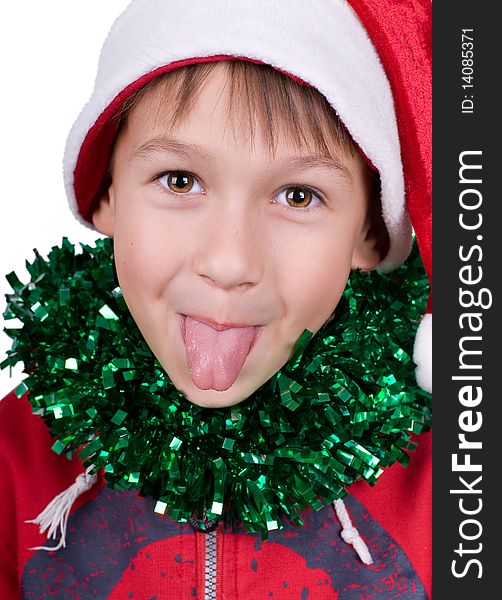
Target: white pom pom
<point>422,353</point>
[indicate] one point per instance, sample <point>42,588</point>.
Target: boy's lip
<point>217,325</point>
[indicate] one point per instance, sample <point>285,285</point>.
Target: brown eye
<point>181,183</point>
<point>298,197</point>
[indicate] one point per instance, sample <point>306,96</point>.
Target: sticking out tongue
<point>215,358</point>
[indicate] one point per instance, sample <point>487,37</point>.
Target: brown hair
<point>270,99</point>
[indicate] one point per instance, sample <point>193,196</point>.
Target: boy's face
<point>225,253</point>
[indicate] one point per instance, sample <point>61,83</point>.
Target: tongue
<point>215,358</point>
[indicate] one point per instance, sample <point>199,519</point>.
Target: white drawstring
<point>349,533</point>
<point>55,514</point>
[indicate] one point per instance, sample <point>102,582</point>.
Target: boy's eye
<point>180,182</point>
<point>298,197</point>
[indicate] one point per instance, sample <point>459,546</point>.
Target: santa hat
<point>371,59</point>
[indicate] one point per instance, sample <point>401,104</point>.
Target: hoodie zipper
<point>210,564</point>
<point>208,544</point>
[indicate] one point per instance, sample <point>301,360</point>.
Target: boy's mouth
<point>216,352</point>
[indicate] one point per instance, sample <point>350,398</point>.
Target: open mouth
<point>216,352</point>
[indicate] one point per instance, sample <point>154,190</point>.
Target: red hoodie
<point>118,548</point>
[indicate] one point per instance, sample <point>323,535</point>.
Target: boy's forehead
<point>219,117</point>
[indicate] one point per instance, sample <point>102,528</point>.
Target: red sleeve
<point>402,503</point>
<point>9,586</point>
<point>31,475</point>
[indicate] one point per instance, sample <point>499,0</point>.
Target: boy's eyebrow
<point>318,160</point>
<point>164,144</point>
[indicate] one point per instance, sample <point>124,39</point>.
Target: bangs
<point>264,99</point>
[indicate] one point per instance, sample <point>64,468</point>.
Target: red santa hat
<point>371,59</point>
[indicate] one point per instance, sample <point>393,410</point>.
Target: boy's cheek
<point>143,250</point>
<point>316,288</point>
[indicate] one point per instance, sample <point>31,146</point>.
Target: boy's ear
<point>366,255</point>
<point>103,216</point>
<point>373,243</point>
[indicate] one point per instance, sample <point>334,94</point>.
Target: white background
<point>49,53</point>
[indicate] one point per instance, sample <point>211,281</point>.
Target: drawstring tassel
<point>56,513</point>
<point>350,534</point>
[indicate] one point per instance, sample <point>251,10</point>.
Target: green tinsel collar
<point>342,409</point>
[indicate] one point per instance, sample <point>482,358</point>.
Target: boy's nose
<point>229,253</point>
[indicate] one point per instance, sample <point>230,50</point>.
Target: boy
<point>238,202</point>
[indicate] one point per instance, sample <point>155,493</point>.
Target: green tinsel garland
<point>343,408</point>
